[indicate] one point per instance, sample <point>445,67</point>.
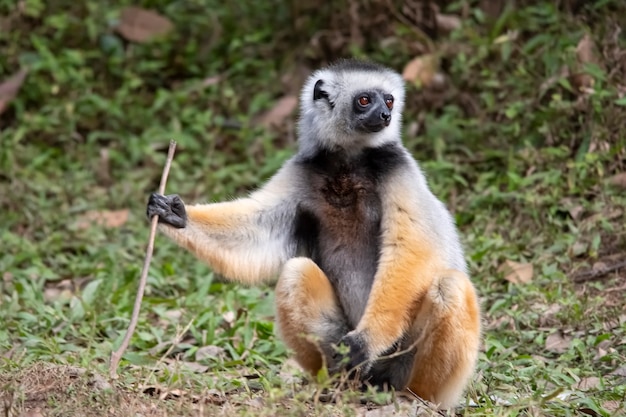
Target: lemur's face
<point>351,104</point>
<point>372,110</point>
<point>365,109</point>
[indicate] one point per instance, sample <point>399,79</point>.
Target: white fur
<point>322,125</point>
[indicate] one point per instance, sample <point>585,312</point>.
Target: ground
<point>517,115</point>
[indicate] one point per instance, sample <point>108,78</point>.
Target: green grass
<point>519,155</point>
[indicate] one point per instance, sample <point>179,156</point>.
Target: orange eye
<point>364,100</point>
<point>389,103</point>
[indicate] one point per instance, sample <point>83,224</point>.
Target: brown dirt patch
<point>60,390</point>
<point>45,390</point>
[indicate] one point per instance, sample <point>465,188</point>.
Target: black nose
<point>386,116</point>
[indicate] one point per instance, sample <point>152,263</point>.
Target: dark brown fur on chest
<point>346,203</point>
<point>339,218</point>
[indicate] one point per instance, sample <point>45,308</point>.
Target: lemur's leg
<point>309,317</point>
<point>447,333</point>
<point>437,355</point>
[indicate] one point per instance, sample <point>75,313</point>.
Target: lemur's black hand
<point>169,208</point>
<point>356,357</point>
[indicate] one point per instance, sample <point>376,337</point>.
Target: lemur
<point>366,256</point>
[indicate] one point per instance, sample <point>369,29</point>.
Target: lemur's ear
<point>318,92</point>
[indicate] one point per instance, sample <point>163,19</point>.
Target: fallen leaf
<point>548,317</point>
<point>402,406</point>
<point>173,315</point>
<point>578,249</point>
<point>587,383</point>
<point>255,402</point>
<point>194,366</point>
<point>60,290</point>
<point>576,211</point>
<point>589,411</point>
<point>600,354</point>
<point>10,87</point>
<point>421,70</point>
<point>290,372</point>
<point>558,342</point>
<point>618,180</point>
<point>581,81</point>
<point>599,267</point>
<point>106,218</point>
<point>447,22</point>
<point>613,406</point>
<point>584,50</point>
<point>210,351</point>
<point>103,168</point>
<point>32,413</point>
<point>229,317</point>
<point>281,111</point>
<point>621,371</point>
<point>502,322</point>
<point>142,25</point>
<point>517,273</point>
<point>207,82</point>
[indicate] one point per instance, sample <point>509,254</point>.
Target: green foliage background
<point>522,157</point>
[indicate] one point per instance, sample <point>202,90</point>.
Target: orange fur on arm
<point>240,239</point>
<point>406,270</point>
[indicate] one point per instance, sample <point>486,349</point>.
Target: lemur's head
<point>351,104</point>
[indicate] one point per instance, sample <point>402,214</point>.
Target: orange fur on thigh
<point>303,296</point>
<point>450,332</point>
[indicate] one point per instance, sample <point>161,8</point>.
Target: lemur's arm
<point>247,239</point>
<point>408,265</point>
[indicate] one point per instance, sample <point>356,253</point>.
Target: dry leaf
<point>618,180</point>
<point>547,318</point>
<point>256,402</point>
<point>193,366</point>
<point>621,371</point>
<point>558,342</point>
<point>588,411</point>
<point>142,25</point>
<point>576,211</point>
<point>613,406</point>
<point>402,406</point>
<point>10,87</point>
<point>103,168</point>
<point>173,315</point>
<point>32,413</point>
<point>290,372</point>
<point>229,317</point>
<point>209,81</point>
<point>421,70</point>
<point>577,249</point>
<point>584,50</point>
<point>281,111</point>
<point>601,354</point>
<point>447,22</point>
<point>210,351</point>
<point>517,273</point>
<point>582,82</point>
<point>58,291</point>
<point>106,218</point>
<point>587,383</point>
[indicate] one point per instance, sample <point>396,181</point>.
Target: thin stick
<point>117,355</point>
